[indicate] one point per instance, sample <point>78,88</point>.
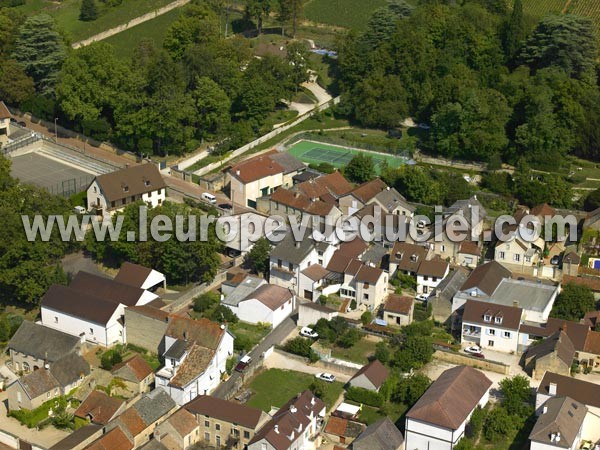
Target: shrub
<point>349,338</point>
<point>366,317</point>
<point>382,352</point>
<point>205,301</point>
<point>110,358</point>
<point>360,395</point>
<point>223,314</point>
<point>353,305</point>
<point>299,346</point>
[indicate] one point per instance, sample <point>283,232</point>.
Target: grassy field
<point>155,30</point>
<point>66,14</point>
<point>358,353</point>
<point>342,13</point>
<point>394,412</point>
<point>585,8</point>
<point>274,387</point>
<point>253,333</point>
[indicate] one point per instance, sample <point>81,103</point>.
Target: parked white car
<point>309,333</point>
<point>422,297</point>
<point>474,349</point>
<point>325,377</point>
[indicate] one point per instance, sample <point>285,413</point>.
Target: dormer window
<point>398,255</point>
<point>413,257</point>
<point>498,319</point>
<point>487,317</point>
<point>146,183</point>
<point>125,188</point>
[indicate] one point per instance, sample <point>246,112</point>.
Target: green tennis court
<point>318,152</point>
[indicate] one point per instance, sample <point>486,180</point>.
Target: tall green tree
<point>514,32</point>
<point>564,41</point>
<point>360,168</point>
<point>41,51</point>
<point>212,106</point>
<point>291,11</point>
<point>258,257</point>
<point>258,10</point>
<point>573,302</point>
<point>16,85</point>
<point>197,24</point>
<point>88,11</point>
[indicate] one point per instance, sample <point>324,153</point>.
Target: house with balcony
<point>195,356</point>
<point>296,425</point>
<point>289,258</point>
<point>491,326</point>
<point>439,418</point>
<point>113,191</point>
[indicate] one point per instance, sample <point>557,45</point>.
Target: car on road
<point>555,260</point>
<point>325,377</point>
<point>473,349</point>
<point>309,333</point>
<point>243,363</point>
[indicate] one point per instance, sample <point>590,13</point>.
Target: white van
<point>209,198</point>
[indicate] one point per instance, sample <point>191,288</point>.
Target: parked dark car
<point>243,363</point>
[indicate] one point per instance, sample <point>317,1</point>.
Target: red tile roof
<point>336,426</point>
<point>592,282</point>
<point>206,405</point>
<point>435,267</point>
<point>399,304</point>
<point>115,439</point>
<point>333,184</point>
<point>270,295</point>
<point>315,272</point>
<point>375,372</point>
<point>183,421</point>
<point>99,407</point>
<point>592,343</point>
<point>131,181</point>
<point>4,112</point>
<point>135,369</point>
<point>475,312</point>
<point>368,190</point>
<point>132,421</point>
<point>470,248</point>
<point>256,168</point>
<point>543,210</point>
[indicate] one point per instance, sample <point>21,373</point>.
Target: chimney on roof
<point>185,335</point>
<point>293,409</point>
<point>312,401</point>
<point>237,172</point>
<point>552,389</point>
<point>563,327</point>
<point>515,303</point>
<point>297,244</point>
<point>157,435</point>
<point>276,429</point>
<point>557,436</point>
<point>544,409</point>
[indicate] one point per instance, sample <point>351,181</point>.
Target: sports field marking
<point>338,156</point>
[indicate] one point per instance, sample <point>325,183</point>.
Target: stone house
<point>136,373</point>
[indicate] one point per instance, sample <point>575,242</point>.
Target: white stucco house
<point>438,419</point>
<point>559,425</point>
<point>195,356</point>
<point>491,326</point>
<point>289,258</point>
<point>141,277</point>
<point>92,308</point>
<point>269,304</point>
<point>113,191</point>
<point>430,274</point>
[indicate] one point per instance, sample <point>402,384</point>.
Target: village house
<point>491,326</point>
<point>92,308</point>
<point>135,373</point>
<point>560,425</point>
<point>268,304</point>
<point>290,257</point>
<point>238,288</point>
<point>98,408</point>
<point>195,356</point>
<point>296,425</point>
<point>113,191</point>
<point>310,313</point>
<point>260,176</point>
<point>139,422</point>
<point>491,283</point>
<point>146,326</point>
<point>34,345</point>
<point>439,417</point>
<point>380,435</point>
<point>116,438</point>
<point>180,431</point>
<point>518,254</point>
<point>430,274</point>
<point>343,431</point>
<point>140,277</point>
<point>398,310</point>
<point>405,258</point>
<point>554,354</point>
<point>378,193</point>
<point>555,386</point>
<point>469,254</point>
<point>441,298</point>
<point>53,380</point>
<point>570,263</point>
<point>371,376</point>
<point>224,423</point>
<point>312,279</point>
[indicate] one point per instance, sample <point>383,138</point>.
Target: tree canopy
<point>573,302</point>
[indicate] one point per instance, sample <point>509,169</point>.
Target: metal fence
<point>69,187</point>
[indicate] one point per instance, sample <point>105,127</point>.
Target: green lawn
<point>274,387</point>
<point>253,333</point>
<point>155,30</point>
<point>66,14</point>
<point>358,353</point>
<point>342,13</point>
<point>369,415</point>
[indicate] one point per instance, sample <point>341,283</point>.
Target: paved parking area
<point>278,361</point>
<point>45,172</point>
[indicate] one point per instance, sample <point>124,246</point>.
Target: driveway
<point>278,361</point>
<point>76,262</point>
<point>46,437</point>
<point>275,337</point>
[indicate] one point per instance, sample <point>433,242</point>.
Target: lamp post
<point>56,129</point>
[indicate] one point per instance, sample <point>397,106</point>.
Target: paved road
<point>275,337</point>
<point>278,361</point>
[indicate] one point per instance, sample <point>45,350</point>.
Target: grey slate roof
<point>154,405</point>
<point>375,255</point>
<point>288,161</point>
<point>177,350</point>
<point>391,198</point>
<point>77,437</point>
<point>291,251</point>
<point>69,369</point>
<point>562,415</point>
<point>530,295</point>
<point>243,290</point>
<point>381,435</point>
<point>451,284</point>
<point>153,444</point>
<point>42,342</point>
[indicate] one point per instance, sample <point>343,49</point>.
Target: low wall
<point>194,292</point>
<point>13,441</point>
<point>322,364</point>
<point>460,359</point>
